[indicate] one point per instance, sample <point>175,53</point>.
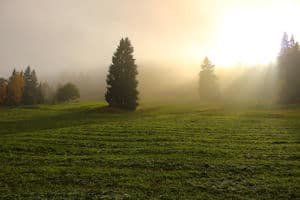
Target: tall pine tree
<point>121,80</point>
<point>30,94</point>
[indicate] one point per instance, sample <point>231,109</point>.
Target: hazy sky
<point>58,35</point>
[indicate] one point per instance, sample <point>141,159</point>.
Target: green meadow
<point>88,151</point>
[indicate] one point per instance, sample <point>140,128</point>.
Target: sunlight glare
<point>252,36</point>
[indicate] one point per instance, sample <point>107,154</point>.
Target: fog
<point>160,83</point>
<point>73,40</point>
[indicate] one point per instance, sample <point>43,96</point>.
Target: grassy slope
<point>173,152</point>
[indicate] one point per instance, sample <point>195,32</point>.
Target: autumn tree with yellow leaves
<point>15,88</point>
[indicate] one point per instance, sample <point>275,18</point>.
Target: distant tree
<point>285,44</point>
<point>289,71</point>
<point>48,93</point>
<point>208,84</point>
<point>67,92</point>
<point>3,91</point>
<point>292,42</point>
<point>121,80</point>
<point>30,95</point>
<point>40,98</point>
<point>15,88</point>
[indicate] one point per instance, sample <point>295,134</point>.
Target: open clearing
<point>83,151</point>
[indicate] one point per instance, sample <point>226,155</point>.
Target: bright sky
<point>56,35</point>
<point>251,33</point>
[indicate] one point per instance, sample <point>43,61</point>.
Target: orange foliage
<point>15,88</point>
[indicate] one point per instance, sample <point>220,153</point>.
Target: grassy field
<point>84,151</point>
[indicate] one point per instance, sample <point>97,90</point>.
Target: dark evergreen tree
<point>208,84</point>
<point>30,94</point>
<point>3,91</point>
<point>289,71</point>
<point>121,80</point>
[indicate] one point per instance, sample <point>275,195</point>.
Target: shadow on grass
<point>67,118</point>
<point>110,110</point>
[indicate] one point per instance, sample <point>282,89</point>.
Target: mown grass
<point>85,151</point>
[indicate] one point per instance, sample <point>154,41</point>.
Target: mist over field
<point>166,84</point>
<point>149,99</point>
<point>73,41</point>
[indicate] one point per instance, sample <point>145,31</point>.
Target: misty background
<point>73,40</point>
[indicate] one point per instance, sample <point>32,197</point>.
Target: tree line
<point>122,84</point>
<point>289,71</point>
<point>23,88</point>
<point>288,79</point>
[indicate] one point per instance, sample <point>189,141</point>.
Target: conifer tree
<point>3,91</point>
<point>30,95</point>
<point>292,42</point>
<point>121,80</point>
<point>285,43</point>
<point>208,84</point>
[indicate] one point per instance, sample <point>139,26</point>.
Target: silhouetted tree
<point>289,71</point>
<point>3,91</point>
<point>208,84</point>
<point>121,80</point>
<point>67,92</point>
<point>30,94</point>
<point>284,43</point>
<point>15,88</point>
